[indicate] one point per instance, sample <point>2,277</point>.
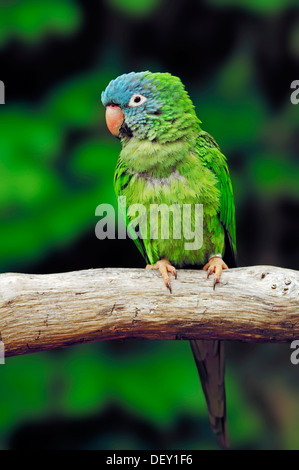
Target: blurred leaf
<point>48,193</point>
<point>24,391</point>
<point>97,380</point>
<point>152,386</point>
<point>135,7</point>
<point>230,106</point>
<point>77,102</point>
<point>244,421</point>
<point>275,173</point>
<point>31,20</point>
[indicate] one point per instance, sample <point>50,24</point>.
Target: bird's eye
<point>137,100</point>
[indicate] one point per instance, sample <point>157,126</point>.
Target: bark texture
<point>43,312</point>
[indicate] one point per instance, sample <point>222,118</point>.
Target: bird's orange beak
<point>114,119</point>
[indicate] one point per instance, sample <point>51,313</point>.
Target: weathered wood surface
<point>42,312</point>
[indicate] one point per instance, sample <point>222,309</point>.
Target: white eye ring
<point>137,100</point>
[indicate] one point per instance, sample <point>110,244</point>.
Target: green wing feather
<point>211,156</point>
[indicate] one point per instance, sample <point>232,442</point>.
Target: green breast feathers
<point>175,207</point>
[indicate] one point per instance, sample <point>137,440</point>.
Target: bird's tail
<point>209,359</point>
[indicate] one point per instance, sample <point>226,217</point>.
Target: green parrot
<point>166,158</point>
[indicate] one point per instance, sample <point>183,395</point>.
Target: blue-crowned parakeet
<point>167,158</point>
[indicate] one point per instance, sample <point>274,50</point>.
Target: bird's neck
<point>155,158</point>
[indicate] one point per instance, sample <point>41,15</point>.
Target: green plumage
<point>196,173</point>
<point>167,158</point>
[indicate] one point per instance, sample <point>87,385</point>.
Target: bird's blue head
<point>145,104</point>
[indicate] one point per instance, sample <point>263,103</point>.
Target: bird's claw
<point>215,265</point>
<point>164,267</point>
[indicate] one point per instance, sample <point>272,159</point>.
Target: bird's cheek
<point>114,119</point>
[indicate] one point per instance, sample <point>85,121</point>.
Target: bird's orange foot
<point>215,265</point>
<point>164,267</point>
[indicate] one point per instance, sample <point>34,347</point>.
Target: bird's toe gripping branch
<point>215,265</point>
<point>164,267</point>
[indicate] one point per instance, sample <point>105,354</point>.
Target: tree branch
<point>43,312</point>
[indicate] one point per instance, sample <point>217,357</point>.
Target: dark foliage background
<point>237,60</point>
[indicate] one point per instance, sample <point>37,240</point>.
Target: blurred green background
<point>237,60</point>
